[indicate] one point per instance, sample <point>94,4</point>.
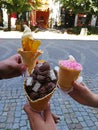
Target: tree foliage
<point>80,6</point>
<point>18,6</point>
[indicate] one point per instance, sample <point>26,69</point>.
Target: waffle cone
<point>66,77</point>
<point>29,58</point>
<point>41,103</point>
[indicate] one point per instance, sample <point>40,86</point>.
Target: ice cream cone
<point>66,77</point>
<point>69,71</point>
<point>41,103</point>
<point>29,58</point>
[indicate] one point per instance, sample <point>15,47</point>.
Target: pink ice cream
<point>71,64</point>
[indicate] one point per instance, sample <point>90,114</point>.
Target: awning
<point>43,1</point>
<point>43,7</point>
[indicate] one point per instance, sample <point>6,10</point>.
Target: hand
<point>11,67</point>
<point>38,122</point>
<point>82,94</point>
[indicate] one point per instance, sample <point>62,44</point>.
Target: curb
<point>47,35</point>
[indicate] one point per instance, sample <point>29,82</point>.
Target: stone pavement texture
<point>74,116</point>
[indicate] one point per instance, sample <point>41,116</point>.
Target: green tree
<point>17,6</point>
<point>80,6</point>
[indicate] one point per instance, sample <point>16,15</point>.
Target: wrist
<point>95,101</point>
<point>91,98</point>
<point>2,69</point>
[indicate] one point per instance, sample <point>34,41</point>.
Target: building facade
<point>49,15</point>
<point>43,17</point>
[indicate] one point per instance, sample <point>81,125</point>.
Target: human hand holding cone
<point>69,71</point>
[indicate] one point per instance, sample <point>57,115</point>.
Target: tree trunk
<point>9,22</point>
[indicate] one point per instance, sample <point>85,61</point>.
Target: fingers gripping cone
<point>29,58</point>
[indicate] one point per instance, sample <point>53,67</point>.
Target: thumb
<point>47,114</point>
<point>31,114</point>
<point>22,67</point>
<point>78,86</point>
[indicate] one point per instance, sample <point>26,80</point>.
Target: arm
<point>82,94</point>
<point>11,67</point>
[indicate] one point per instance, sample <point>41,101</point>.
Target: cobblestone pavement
<point>73,115</point>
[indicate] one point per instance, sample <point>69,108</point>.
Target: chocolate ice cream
<point>41,82</point>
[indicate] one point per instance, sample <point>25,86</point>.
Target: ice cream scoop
<point>28,42</point>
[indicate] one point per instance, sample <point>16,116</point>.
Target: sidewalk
<point>48,35</point>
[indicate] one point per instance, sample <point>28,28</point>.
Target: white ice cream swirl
<point>71,58</point>
<point>27,32</point>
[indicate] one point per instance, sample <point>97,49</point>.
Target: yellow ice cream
<point>28,42</point>
<point>29,50</point>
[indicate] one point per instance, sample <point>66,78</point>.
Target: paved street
<point>73,115</point>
